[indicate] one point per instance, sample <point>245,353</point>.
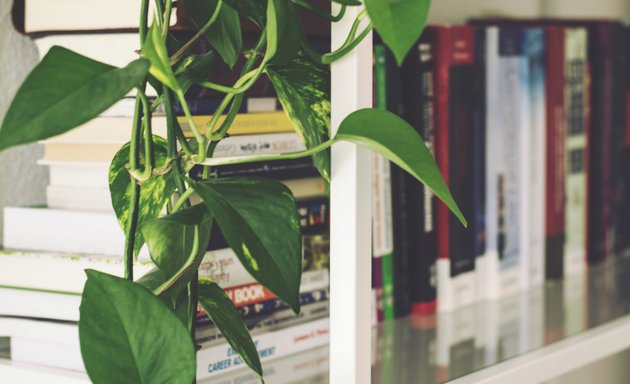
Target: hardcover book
<point>419,110</point>
<point>455,67</point>
<point>507,167</point>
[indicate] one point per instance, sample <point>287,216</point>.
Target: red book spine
<point>455,46</point>
<point>555,171</point>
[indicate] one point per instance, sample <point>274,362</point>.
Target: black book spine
<point>276,170</point>
<point>621,142</point>
<point>461,172</point>
<point>400,180</point>
<point>419,111</point>
<point>314,216</point>
<point>601,54</point>
<point>478,84</point>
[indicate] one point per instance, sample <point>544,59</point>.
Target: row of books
<point>528,122</point>
<point>49,247</point>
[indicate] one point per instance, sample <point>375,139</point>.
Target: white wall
<point>612,9</point>
<point>457,11</point>
<point>21,181</point>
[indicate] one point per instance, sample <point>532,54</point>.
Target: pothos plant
<point>142,331</point>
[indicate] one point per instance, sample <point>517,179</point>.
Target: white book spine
<point>55,230</point>
<point>59,272</point>
<point>43,305</point>
<point>535,200</point>
<point>506,170</point>
<point>223,267</point>
<point>97,199</point>
<point>576,149</point>
<point>272,345</point>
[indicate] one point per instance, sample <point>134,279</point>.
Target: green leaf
<point>347,2</point>
<point>399,22</point>
<point>175,298</point>
<point>303,89</point>
<point>129,336</point>
<point>224,314</point>
<point>225,33</point>
<point>194,69</point>
<point>63,91</point>
<point>153,193</point>
<point>385,133</point>
<point>255,10</point>
<point>259,220</point>
<point>170,238</point>
<point>284,32</point>
<point>155,51</point>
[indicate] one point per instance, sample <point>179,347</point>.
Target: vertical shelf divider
<point>351,216</point>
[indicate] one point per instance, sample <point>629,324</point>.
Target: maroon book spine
<point>555,172</point>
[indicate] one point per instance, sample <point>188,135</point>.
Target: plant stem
<point>171,138</point>
<point>341,52</point>
<point>237,88</point>
<point>184,268</point>
<point>160,10</point>
<point>193,303</point>
<point>282,156</point>
<point>134,153</point>
<point>236,104</point>
<point>132,224</point>
<point>167,17</point>
<point>320,12</point>
<point>149,155</point>
<point>144,21</point>
<point>348,45</point>
<point>201,140</point>
<point>179,179</point>
<point>177,56</point>
<point>183,198</point>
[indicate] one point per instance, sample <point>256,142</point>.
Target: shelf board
<point>532,337</point>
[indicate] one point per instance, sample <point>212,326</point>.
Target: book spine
<point>277,170</point>
<point>254,313</point>
<point>394,266</point>
<point>455,57</point>
<point>419,111</point>
<point>208,334</point>
<point>555,147</point>
<point>255,293</point>
<point>620,147</point>
<point>576,151</point>
<point>478,224</point>
<point>313,214</point>
<point>621,210</point>
<point>534,200</point>
<point>223,266</point>
<point>58,272</point>
<point>599,198</point>
<point>506,85</point>
<point>383,243</point>
<point>382,224</point>
<point>208,105</point>
<point>270,345</point>
<point>244,123</point>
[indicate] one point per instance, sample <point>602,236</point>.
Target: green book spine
<point>383,247</point>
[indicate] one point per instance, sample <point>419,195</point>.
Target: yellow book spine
<point>244,124</point>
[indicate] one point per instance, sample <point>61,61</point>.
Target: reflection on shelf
<point>437,348</point>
